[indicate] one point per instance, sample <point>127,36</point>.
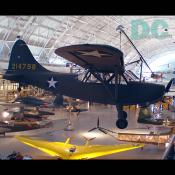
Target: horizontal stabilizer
<point>13,76</point>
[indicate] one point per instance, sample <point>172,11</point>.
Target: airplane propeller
<point>98,122</point>
<point>167,89</point>
<point>89,139</point>
<point>98,127</point>
<point>168,86</point>
<point>103,130</point>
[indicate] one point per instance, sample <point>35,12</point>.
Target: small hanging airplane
<point>105,63</point>
<point>14,126</point>
<point>157,76</point>
<point>19,114</point>
<point>65,150</point>
<point>30,101</point>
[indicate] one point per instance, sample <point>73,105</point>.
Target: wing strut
<point>120,28</point>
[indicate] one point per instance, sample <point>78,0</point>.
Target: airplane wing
<point>93,151</point>
<point>50,148</point>
<point>103,57</point>
<point>63,150</point>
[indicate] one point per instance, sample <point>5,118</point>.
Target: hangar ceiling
<point>46,33</point>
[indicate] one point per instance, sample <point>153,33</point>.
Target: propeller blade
<point>92,129</point>
<point>102,130</point>
<point>108,130</point>
<point>98,122</point>
<point>168,85</point>
<point>92,138</point>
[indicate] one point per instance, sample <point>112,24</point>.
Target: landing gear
<point>124,115</point>
<point>121,123</point>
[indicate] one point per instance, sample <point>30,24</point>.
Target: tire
<point>122,123</point>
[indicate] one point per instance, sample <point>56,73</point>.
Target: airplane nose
<point>155,93</point>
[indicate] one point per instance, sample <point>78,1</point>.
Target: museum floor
<point>85,121</point>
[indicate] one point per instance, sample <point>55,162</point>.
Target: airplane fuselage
<point>128,94</point>
<point>24,69</point>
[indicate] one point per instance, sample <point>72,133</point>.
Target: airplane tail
<point>21,60</point>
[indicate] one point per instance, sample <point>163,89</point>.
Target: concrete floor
<point>86,121</point>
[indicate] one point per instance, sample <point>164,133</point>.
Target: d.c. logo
<point>140,29</point>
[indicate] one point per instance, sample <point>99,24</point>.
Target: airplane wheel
<point>122,123</point>
<point>124,114</point>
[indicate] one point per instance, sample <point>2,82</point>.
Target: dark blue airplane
<point>58,102</point>
<point>99,60</point>
<point>22,126</point>
<point>33,101</point>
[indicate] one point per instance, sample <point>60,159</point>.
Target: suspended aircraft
<point>15,126</point>
<point>18,114</point>
<point>65,150</point>
<point>157,76</point>
<point>105,63</point>
<point>69,105</point>
<point>20,109</point>
<point>30,101</point>
<point>33,101</point>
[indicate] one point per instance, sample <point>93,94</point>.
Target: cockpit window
<point>72,149</point>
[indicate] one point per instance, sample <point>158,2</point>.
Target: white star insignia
<point>94,53</point>
<point>52,83</point>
